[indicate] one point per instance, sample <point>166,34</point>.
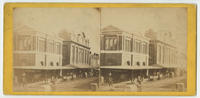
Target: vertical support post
<point>99,76</point>
<point>147,73</point>
<point>61,73</point>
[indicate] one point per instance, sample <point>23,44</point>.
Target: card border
<point>8,47</point>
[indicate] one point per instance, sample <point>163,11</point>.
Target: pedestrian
<point>110,81</point>
<point>134,85</point>
<point>102,80</point>
<point>139,83</point>
<point>159,76</point>
<point>71,75</point>
<point>86,75</point>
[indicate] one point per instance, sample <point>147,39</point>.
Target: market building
<point>36,55</point>
<point>124,53</point>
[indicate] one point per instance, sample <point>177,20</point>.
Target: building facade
<point>119,48</point>
<point>162,54</point>
<point>123,52</point>
<point>77,54</point>
<point>34,51</point>
<point>76,51</point>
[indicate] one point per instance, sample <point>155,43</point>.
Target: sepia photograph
<point>56,49</point>
<point>100,49</point>
<point>143,49</point>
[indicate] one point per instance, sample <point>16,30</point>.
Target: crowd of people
<point>137,80</point>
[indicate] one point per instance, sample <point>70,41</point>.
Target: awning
<point>130,67</point>
<point>43,67</point>
<point>79,66</point>
<point>165,66</point>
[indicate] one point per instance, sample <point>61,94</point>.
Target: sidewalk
<point>70,85</point>
<point>167,84</point>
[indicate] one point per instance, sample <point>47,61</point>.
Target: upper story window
<point>58,48</point>
<point>73,54</point>
<point>144,48</point>
<point>24,42</point>
<point>50,47</point>
<point>137,46</point>
<point>159,54</point>
<point>134,46</point>
<point>127,44</point>
<point>41,44</point>
<point>111,43</point>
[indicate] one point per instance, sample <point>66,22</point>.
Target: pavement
<point>167,84</point>
<point>71,85</point>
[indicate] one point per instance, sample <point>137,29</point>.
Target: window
<point>128,63</point>
<point>57,64</point>
<point>111,43</point>
<point>107,44</point>
<point>134,46</point>
<point>127,44</point>
<point>41,63</point>
<point>50,48</point>
<point>51,63</point>
<point>143,63</point>
<point>163,54</point>
<point>159,54</point>
<point>41,45</point>
<point>151,54</point>
<point>138,63</point>
<point>73,54</point>
<point>76,54</point>
<point>137,46</point>
<point>24,42</point>
<point>82,55</point>
<point>85,56</point>
<point>144,48</point>
<point>58,48</point>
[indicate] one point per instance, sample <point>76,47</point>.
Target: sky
<point>160,20</point>
<point>55,20</point>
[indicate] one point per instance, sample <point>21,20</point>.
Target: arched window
<point>138,63</point>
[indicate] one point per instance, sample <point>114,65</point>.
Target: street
<point>71,85</point>
<point>168,84</point>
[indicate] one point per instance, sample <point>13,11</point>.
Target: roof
<point>111,28</point>
<point>162,42</point>
<point>24,29</point>
<point>27,30</point>
<point>130,67</point>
